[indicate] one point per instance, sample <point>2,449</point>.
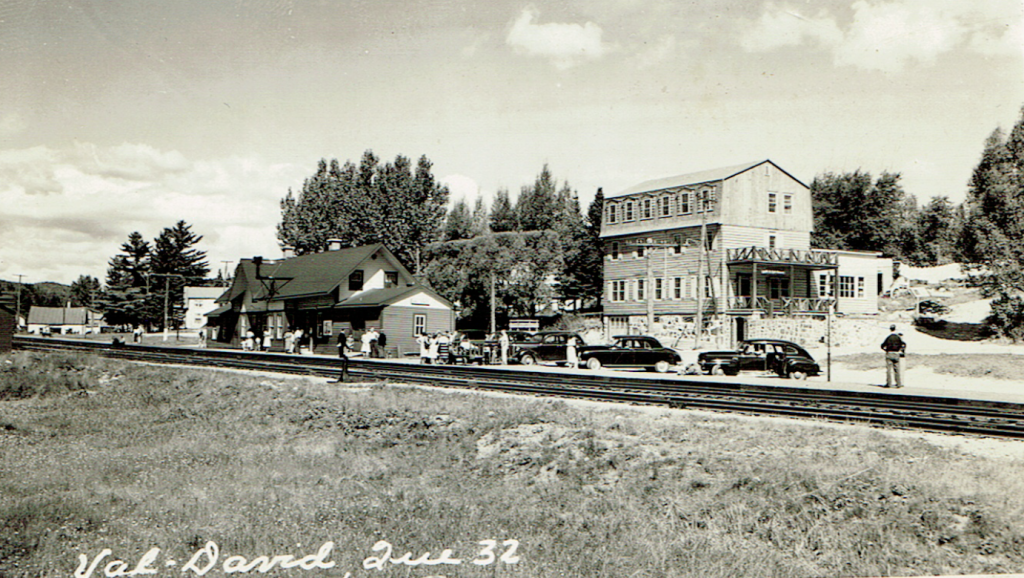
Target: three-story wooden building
<point>716,248</point>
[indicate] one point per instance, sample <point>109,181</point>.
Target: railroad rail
<point>899,410</point>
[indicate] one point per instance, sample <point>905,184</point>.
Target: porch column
<point>753,288</point>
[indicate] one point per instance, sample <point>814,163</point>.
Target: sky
<point>119,116</point>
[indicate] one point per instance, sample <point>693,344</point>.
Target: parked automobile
<point>784,358</point>
<point>631,351</point>
<point>544,347</point>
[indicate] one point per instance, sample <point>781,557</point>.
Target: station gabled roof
<point>379,297</point>
<point>304,276</point>
<point>697,178</point>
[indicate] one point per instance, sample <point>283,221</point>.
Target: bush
<point>1007,317</point>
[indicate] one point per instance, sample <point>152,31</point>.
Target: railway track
<point>906,411</point>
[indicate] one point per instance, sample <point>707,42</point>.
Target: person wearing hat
<point>894,349</point>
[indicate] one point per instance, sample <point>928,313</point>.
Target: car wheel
<point>662,366</point>
<point>717,370</point>
<point>528,360</point>
<point>593,363</point>
<point>797,375</point>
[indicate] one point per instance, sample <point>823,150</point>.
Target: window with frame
<point>684,203</point>
<point>860,287</point>
<point>648,212</point>
<point>611,214</point>
<point>705,200</point>
<point>787,204</point>
<point>419,324</point>
<point>824,286</point>
<point>677,244</point>
<point>629,211</point>
<point>846,286</point>
<point>641,287</point>
<point>355,280</point>
<point>658,289</point>
<point>778,287</point>
<point>677,290</point>
<point>772,202</point>
<point>615,251</point>
<point>665,205</point>
<point>390,279</point>
<point>772,241</point>
<point>618,291</point>
<point>641,251</point>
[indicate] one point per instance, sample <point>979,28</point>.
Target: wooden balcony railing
<point>823,259</point>
<point>788,305</point>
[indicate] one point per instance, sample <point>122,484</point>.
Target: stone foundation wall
<point>810,332</point>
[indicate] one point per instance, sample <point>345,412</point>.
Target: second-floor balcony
<point>781,305</point>
<point>775,256</point>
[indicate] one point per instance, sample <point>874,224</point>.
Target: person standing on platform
<point>298,340</point>
<point>895,349</point>
<point>343,354</point>
<point>365,343</point>
<point>571,359</point>
<point>503,344</point>
<point>382,344</point>
<point>424,342</point>
<point>267,339</point>
<point>289,342</point>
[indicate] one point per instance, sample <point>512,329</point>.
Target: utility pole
<point>17,307</point>
<point>649,245</point>
<point>226,263</point>
<point>167,295</point>
<point>703,206</point>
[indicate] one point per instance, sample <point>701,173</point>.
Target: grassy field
<point>100,454</point>
<point>987,365</point>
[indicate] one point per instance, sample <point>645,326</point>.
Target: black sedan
<point>639,351</point>
<point>784,358</point>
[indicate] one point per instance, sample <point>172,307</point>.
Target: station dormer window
<point>629,211</point>
<point>390,279</point>
<point>612,210</point>
<point>355,281</point>
<point>648,210</point>
<point>664,206</point>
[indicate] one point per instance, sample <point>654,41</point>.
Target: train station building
<point>723,250</point>
<point>326,293</point>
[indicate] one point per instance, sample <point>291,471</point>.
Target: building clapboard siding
<point>726,245</point>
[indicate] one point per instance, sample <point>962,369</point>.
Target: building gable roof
<point>697,178</point>
<point>379,297</point>
<point>57,315</point>
<point>306,275</point>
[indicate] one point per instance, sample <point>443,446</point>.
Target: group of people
<point>251,343</point>
<point>444,347</point>
<point>372,343</point>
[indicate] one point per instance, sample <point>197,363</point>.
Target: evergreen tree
<point>938,230</point>
<point>538,207</point>
<point>84,291</point>
<point>459,224</point>
<point>125,301</point>
<point>479,220</point>
<point>396,204</point>
<point>503,215</point>
<point>852,212</point>
<point>175,263</point>
<point>993,230</point>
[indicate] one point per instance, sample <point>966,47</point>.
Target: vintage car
<point>639,351</point>
<point>784,358</point>
<point>544,347</point>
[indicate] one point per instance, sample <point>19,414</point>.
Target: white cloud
<point>461,187</point>
<point>889,35</point>
<point>656,52</point>
<point>66,212</point>
<point>565,44</point>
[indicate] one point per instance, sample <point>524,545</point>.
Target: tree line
<point>538,248</point>
<point>146,281</point>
